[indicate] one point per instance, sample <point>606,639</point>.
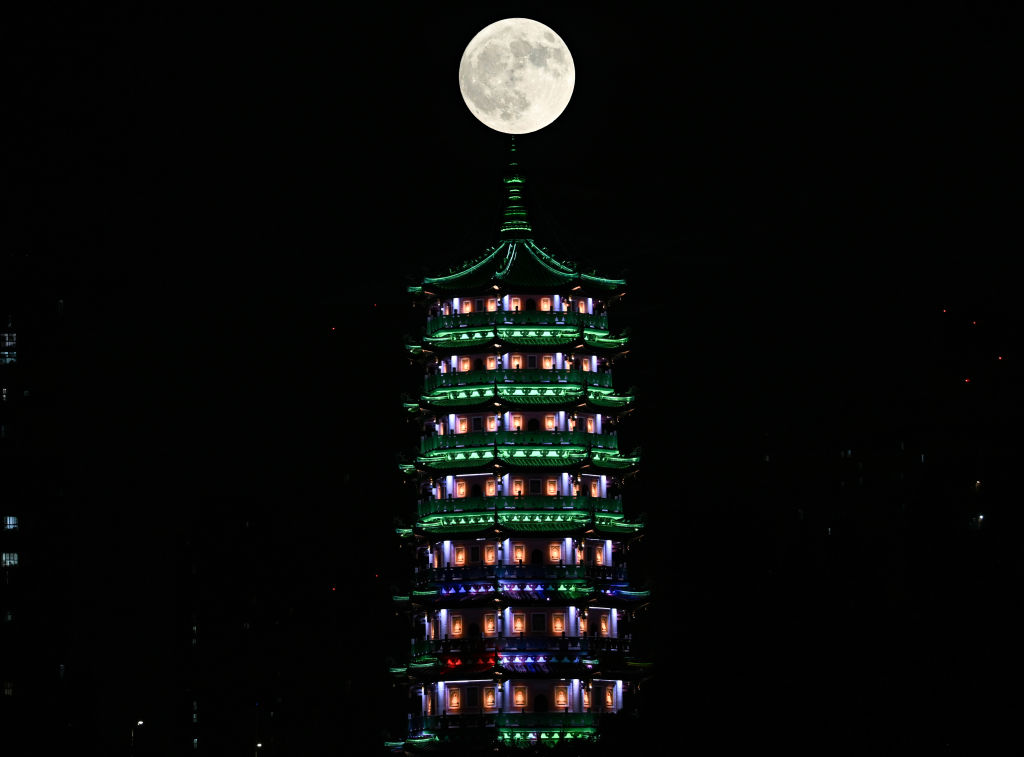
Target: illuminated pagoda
<point>519,601</point>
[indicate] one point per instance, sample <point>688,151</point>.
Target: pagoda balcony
<point>518,376</point>
<point>496,644</point>
<point>547,572</point>
<point>516,318</point>
<point>476,718</point>
<point>528,502</point>
<point>607,441</point>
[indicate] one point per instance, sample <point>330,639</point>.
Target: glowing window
<point>492,423</point>
<point>460,555</point>
<point>463,425</point>
<point>490,700</point>
<point>10,559</point>
<point>467,306</point>
<point>490,623</point>
<point>430,704</point>
<point>465,364</point>
<point>10,522</point>
<point>492,362</point>
<point>599,556</point>
<point>433,628</point>
<point>558,622</point>
<point>490,554</point>
<point>545,303</point>
<point>594,489</point>
<point>516,303</point>
<point>571,422</point>
<point>518,622</point>
<point>518,487</point>
<point>519,696</point>
<point>585,364</point>
<point>549,423</point>
<point>590,423</point>
<point>547,362</point>
<point>519,553</point>
<point>583,622</point>
<point>561,696</point>
<point>517,422</point>
<point>492,304</point>
<point>490,487</point>
<point>555,552</point>
<point>586,698</point>
<point>460,488</point>
<point>454,697</point>
<point>609,696</point>
<point>581,306</point>
<point>456,625</point>
<point>604,624</point>
<point>516,362</point>
<point>552,486</point>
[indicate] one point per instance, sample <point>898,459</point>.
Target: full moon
<point>516,76</point>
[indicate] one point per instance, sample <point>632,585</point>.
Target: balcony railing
<point>518,438</point>
<point>552,572</point>
<point>480,719</point>
<point>518,376</point>
<point>517,318</point>
<point>494,644</point>
<point>528,502</point>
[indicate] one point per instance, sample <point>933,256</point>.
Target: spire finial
<point>514,222</point>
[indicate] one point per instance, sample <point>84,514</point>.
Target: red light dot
<point>1000,357</point>
<point>967,381</point>
<point>943,310</point>
<point>333,588</point>
<point>332,328</point>
<point>974,323</point>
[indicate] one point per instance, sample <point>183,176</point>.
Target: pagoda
<point>519,601</point>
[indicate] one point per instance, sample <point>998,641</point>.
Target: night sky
<point>232,203</point>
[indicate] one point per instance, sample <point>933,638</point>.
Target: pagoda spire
<point>514,223</point>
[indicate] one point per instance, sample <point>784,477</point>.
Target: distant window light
<point>8,688</point>
<point>195,705</point>
<point>10,522</point>
<point>10,559</point>
<point>195,743</point>
<point>9,616</point>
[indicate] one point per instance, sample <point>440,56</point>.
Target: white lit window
<point>195,743</point>
<point>10,522</point>
<point>10,559</point>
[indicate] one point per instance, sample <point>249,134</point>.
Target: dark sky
<point>794,196</point>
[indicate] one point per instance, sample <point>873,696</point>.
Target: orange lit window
<point>549,423</point>
<point>552,486</point>
<point>460,488</point>
<point>554,552</point>
<point>517,361</point>
<point>518,622</point>
<point>594,489</point>
<point>463,425</point>
<point>447,308</point>
<point>571,423</point>
<point>547,362</point>
<point>490,701</point>
<point>516,303</point>
<point>492,423</point>
<point>467,306</point>
<point>565,306</point>
<point>519,553</point>
<point>490,554</point>
<point>492,362</point>
<point>456,625</point>
<point>492,304</point>
<point>585,364</point>
<point>586,697</point>
<point>454,698</point>
<point>604,624</point>
<point>599,556</point>
<point>460,555</point>
<point>545,303</point>
<point>430,704</point>
<point>519,696</point>
<point>490,623</point>
<point>590,425</point>
<point>582,306</point>
<point>444,367</point>
<point>609,696</point>
<point>579,554</point>
<point>465,364</point>
<point>558,622</point>
<point>518,487</point>
<point>433,628</point>
<point>583,623</point>
<point>489,487</point>
<point>561,696</point>
<point>517,422</point>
